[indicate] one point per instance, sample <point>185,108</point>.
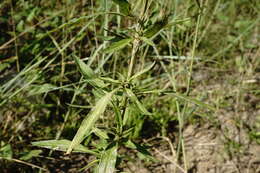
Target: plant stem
<point>193,52</point>
<point>133,55</point>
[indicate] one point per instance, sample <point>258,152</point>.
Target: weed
<point>99,77</point>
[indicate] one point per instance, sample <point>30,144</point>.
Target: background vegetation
<point>171,86</point>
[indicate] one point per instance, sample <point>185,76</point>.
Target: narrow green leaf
<point>32,14</point>
<point>62,145</point>
<point>89,165</point>
<point>155,28</point>
<point>89,74</point>
<point>194,101</point>
<point>147,41</point>
<point>89,121</point>
<point>128,132</point>
<point>20,26</point>
<point>31,154</point>
<point>100,133</point>
<point>40,89</point>
<point>98,93</point>
<point>176,57</point>
<point>126,116</point>
<point>146,69</point>
<point>118,45</point>
<point>124,6</point>
<point>6,152</point>
<point>79,106</point>
<point>177,21</point>
<point>108,160</point>
<point>137,103</point>
<point>118,116</point>
<point>142,150</point>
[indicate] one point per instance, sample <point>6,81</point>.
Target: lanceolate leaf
<point>155,28</point>
<point>146,69</point>
<point>89,74</point>
<point>108,160</point>
<point>137,103</point>
<point>29,155</point>
<point>39,89</point>
<point>181,96</point>
<point>197,102</point>
<point>118,45</point>
<point>89,165</point>
<point>6,152</point>
<point>148,41</point>
<point>124,6</point>
<point>89,121</point>
<point>100,133</point>
<point>140,149</point>
<point>62,145</point>
<point>126,116</point>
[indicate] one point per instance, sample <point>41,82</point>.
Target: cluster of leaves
<point>123,98</point>
<point>115,99</point>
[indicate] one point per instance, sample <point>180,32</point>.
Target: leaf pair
<point>150,32</point>
<point>89,74</point>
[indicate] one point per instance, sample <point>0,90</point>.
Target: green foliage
<point>136,102</point>
<point>124,6</point>
<point>108,160</point>
<point>6,151</point>
<point>155,28</point>
<point>29,155</point>
<point>118,45</point>
<point>62,145</point>
<point>90,120</point>
<point>111,81</point>
<point>89,74</point>
<point>255,136</point>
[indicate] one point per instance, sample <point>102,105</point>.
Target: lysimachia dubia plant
<point>121,94</point>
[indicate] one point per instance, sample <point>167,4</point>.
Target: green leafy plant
<point>112,81</point>
<point>119,95</point>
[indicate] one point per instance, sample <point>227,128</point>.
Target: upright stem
<point>136,43</point>
<point>15,40</point>
<point>193,52</point>
<point>133,55</point>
